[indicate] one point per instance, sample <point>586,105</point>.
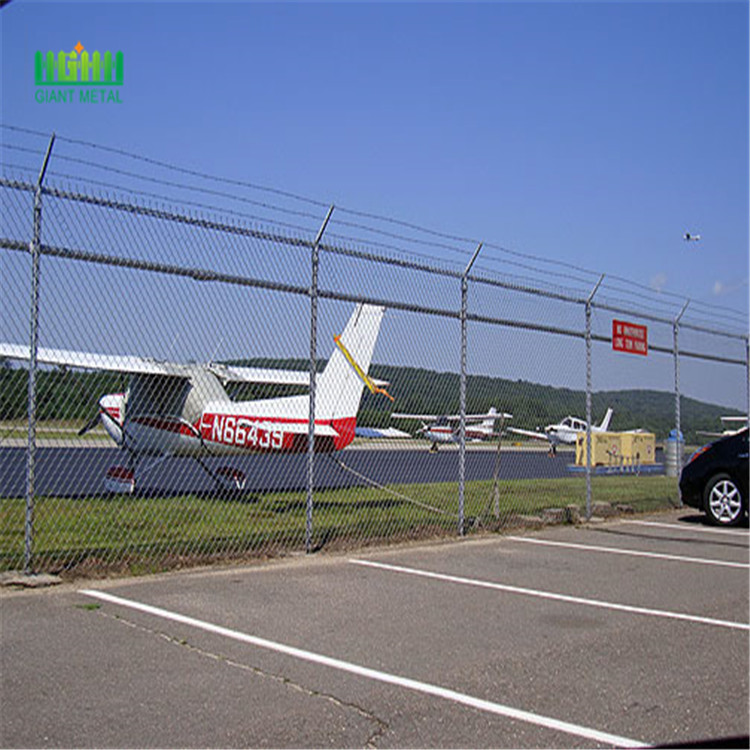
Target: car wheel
<point>723,501</point>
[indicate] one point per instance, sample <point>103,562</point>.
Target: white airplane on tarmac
<point>184,410</point>
<point>565,431</point>
<point>726,423</point>
<point>443,428</point>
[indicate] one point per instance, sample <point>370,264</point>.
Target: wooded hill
<point>73,395</point>
<point>533,405</point>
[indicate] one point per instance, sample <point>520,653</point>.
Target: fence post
<point>676,354</point>
<point>315,263</point>
<point>34,249</point>
<point>588,395</point>
<point>462,396</point>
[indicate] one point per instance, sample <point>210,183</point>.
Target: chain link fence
<point>167,335</point>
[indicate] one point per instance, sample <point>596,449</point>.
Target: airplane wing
<point>89,361</point>
<point>423,417</point>
<point>234,373</point>
<point>147,366</point>
<point>472,417</point>
<point>389,433</point>
<point>230,373</point>
<point>726,433</point>
<point>451,417</point>
<point>528,433</point>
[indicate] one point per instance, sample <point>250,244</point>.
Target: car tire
<point>723,501</point>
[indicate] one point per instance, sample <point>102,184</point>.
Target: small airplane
<point>564,431</point>
<point>443,428</point>
<point>184,410</point>
<point>728,430</point>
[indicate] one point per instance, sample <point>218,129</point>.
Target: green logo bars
<point>78,68</point>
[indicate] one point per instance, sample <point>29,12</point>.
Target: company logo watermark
<point>78,76</point>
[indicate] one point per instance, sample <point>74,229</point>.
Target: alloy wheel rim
<point>725,501</point>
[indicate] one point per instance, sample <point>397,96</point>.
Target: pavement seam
<point>371,742</point>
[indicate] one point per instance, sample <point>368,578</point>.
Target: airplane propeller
<point>90,424</point>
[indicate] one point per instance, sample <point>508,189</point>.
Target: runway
<point>79,471</point>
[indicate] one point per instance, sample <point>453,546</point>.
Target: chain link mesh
<point>197,287</point>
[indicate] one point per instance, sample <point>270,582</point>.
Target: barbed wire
<point>495,259</point>
<point>181,186</point>
<point>463,252</point>
<point>193,172</point>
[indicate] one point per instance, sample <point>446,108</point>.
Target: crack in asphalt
<point>371,742</point>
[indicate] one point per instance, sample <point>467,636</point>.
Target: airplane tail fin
<point>604,426</point>
<point>489,423</point>
<point>339,388</point>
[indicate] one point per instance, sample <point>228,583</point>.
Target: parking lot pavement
<point>628,632</point>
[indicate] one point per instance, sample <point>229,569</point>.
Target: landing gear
<point>231,478</point>
<point>228,479</point>
<point>120,480</point>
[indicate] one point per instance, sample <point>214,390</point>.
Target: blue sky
<point>595,133</point>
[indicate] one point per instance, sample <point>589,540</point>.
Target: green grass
<point>53,430</point>
<point>107,534</point>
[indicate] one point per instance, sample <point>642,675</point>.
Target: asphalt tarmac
<point>622,633</point>
<point>79,471</point>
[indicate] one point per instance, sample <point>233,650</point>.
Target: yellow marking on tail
<point>362,374</point>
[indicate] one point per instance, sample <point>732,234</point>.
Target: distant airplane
<point>565,431</point>
<point>173,409</point>
<point>443,428</point>
<point>691,237</point>
<point>726,421</point>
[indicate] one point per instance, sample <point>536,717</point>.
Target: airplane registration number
<point>242,432</point>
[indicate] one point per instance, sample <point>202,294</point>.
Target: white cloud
<point>659,281</point>
<point>720,289</point>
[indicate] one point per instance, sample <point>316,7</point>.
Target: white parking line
<point>557,597</point>
<point>631,552</point>
<point>373,674</point>
<point>698,529</point>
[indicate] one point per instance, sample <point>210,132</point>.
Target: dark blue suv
<point>715,480</point>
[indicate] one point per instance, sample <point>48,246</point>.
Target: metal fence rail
<point>270,282</point>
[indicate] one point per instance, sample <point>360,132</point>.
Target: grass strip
<point>139,534</point>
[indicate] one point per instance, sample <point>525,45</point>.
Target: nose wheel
<point>231,478</point>
<point>228,479</point>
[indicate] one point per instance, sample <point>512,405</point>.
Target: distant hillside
<point>532,405</point>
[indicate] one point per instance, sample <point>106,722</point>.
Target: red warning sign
<point>629,337</point>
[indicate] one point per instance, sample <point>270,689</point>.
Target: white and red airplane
<point>443,428</point>
<point>565,431</point>
<point>184,410</point>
